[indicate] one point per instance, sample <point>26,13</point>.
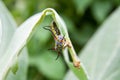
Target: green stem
<point>76,61</point>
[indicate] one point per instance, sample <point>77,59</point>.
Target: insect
<point>60,41</point>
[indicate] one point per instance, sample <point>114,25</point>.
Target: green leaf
<point>39,38</point>
<point>48,66</point>
<point>8,25</point>
<point>82,5</point>
<point>104,58</point>
<point>15,66</point>
<point>101,55</point>
<point>6,21</point>
<point>8,29</point>
<point>101,9</point>
<point>80,73</point>
<point>0,31</point>
<point>70,25</point>
<point>21,73</point>
<point>76,73</point>
<point>22,35</point>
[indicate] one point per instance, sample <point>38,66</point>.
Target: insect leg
<point>48,28</point>
<point>58,55</point>
<point>52,49</point>
<point>63,38</point>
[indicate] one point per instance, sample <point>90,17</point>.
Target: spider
<point>60,41</point>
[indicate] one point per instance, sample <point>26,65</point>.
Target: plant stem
<point>76,61</point>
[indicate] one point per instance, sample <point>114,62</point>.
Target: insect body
<point>60,41</point>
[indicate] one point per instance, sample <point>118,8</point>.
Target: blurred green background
<point>82,17</point>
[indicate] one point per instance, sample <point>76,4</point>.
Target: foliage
<point>8,27</point>
<point>101,55</point>
<point>82,17</point>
